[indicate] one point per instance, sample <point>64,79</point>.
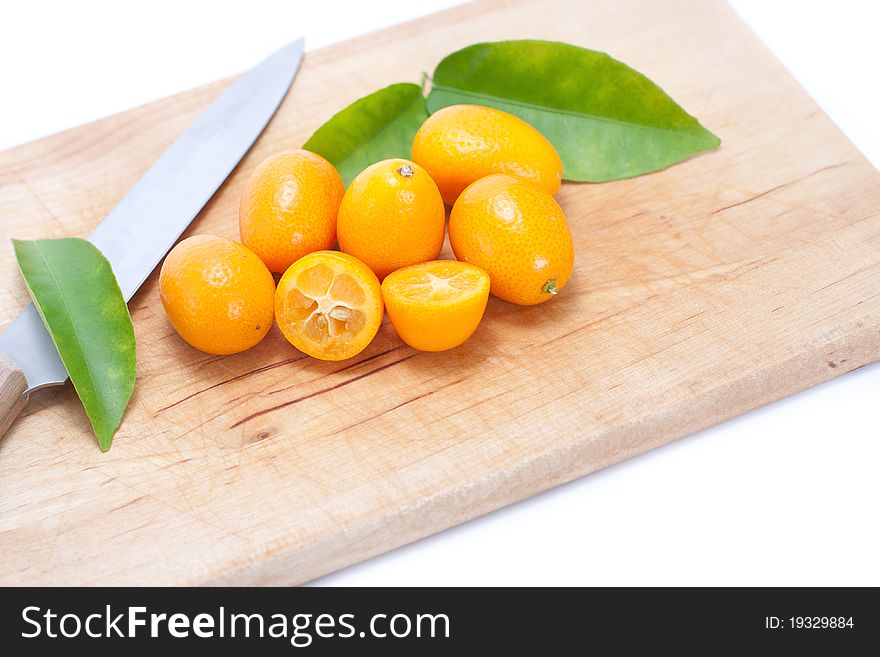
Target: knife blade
<point>154,213</point>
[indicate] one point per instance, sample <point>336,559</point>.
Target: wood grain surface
<point>699,292</point>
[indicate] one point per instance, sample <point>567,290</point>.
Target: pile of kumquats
<point>509,236</point>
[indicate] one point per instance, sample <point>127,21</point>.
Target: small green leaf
<point>373,128</point>
<point>606,120</point>
<point>76,294</point>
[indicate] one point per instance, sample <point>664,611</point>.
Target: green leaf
<point>606,120</point>
<point>373,128</point>
<point>76,294</point>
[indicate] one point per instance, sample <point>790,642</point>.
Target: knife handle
<point>12,391</point>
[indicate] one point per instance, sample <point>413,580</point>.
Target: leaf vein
<point>555,110</point>
<point>69,315</point>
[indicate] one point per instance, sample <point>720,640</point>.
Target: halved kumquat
<point>436,305</point>
<point>329,305</point>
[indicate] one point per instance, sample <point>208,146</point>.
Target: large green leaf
<point>607,120</point>
<point>76,294</point>
<point>375,127</point>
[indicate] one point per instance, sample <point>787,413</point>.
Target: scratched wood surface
<point>699,293</point>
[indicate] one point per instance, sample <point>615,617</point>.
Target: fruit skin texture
<point>288,207</point>
<point>460,144</point>
<point>516,232</point>
<point>436,305</point>
<point>329,305</point>
<point>391,216</point>
<point>217,293</point>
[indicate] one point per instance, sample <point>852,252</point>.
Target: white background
<point>787,494</point>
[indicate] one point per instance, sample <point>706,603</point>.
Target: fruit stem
<point>550,287</point>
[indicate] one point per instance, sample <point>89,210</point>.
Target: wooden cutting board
<point>699,293</point>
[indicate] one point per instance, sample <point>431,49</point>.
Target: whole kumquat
<point>517,232</point>
<point>460,144</point>
<point>392,216</point>
<point>217,293</point>
<point>289,207</point>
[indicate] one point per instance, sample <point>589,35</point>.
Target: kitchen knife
<point>148,220</point>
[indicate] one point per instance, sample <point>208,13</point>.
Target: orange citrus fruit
<point>516,232</point>
<point>288,207</point>
<point>329,305</point>
<point>463,143</point>
<point>436,305</point>
<point>392,216</point>
<point>217,293</point>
